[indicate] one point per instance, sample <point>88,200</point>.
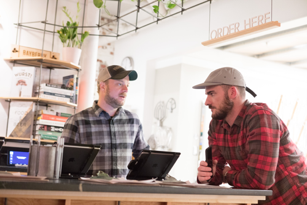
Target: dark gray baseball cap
<point>225,76</point>
<point>116,72</point>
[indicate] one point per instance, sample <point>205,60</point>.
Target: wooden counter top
<point>74,190</point>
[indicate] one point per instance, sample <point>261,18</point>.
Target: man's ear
<point>233,92</point>
<point>102,86</point>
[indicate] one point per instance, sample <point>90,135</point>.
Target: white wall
<point>164,92</point>
<point>168,37</point>
<point>180,34</point>
<point>176,82</point>
<point>176,42</point>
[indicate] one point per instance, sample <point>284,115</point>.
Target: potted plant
<point>69,37</point>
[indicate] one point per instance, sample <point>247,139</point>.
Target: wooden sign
<point>235,27</point>
<point>24,127</point>
<point>22,51</point>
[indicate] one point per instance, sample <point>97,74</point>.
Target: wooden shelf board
<point>46,62</point>
<point>17,139</point>
<point>40,100</point>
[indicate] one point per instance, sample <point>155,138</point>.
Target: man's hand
<point>205,172</point>
<point>226,169</point>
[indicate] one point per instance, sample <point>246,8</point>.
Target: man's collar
<point>99,111</point>
<point>239,118</point>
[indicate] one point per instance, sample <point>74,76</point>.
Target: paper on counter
<point>204,186</point>
<point>19,177</point>
<point>153,182</point>
<point>121,181</point>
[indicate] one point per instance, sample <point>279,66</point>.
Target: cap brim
<point>204,85</point>
<point>132,75</point>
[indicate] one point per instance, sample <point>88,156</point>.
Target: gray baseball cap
<point>116,72</point>
<point>225,76</point>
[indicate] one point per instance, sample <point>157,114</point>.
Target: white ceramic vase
<point>71,54</point>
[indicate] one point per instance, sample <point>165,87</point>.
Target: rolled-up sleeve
<point>139,143</point>
<point>216,155</point>
<point>263,142</point>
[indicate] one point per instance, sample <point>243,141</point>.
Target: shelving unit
<point>40,63</point>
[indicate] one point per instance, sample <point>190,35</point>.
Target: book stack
<point>50,126</point>
<point>55,92</point>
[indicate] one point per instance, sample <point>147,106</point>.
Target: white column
<point>88,58</point>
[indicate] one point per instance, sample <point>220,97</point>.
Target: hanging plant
<point>103,4</point>
<point>170,5</point>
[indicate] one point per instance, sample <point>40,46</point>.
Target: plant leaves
<point>69,33</point>
<point>155,8</point>
<point>98,3</point>
<point>84,35</point>
<point>102,175</point>
<point>106,10</point>
<point>66,12</point>
<point>171,6</point>
<point>78,10</point>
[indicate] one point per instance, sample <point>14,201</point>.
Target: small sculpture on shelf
<point>162,136</point>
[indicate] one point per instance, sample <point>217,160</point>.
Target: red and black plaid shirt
<point>261,155</point>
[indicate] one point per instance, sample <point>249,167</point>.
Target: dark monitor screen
<point>77,159</point>
<point>152,164</point>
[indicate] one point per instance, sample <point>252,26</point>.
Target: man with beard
<point>106,123</point>
<point>251,146</point>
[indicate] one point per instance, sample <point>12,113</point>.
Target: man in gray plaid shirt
<point>106,123</point>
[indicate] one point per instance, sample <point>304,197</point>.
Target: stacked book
<point>55,92</point>
<point>50,126</point>
<point>70,82</point>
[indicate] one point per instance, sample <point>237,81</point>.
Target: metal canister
<point>42,161</point>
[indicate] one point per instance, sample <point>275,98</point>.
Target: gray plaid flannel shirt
<point>120,137</point>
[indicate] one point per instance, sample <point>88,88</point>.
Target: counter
<point>72,191</point>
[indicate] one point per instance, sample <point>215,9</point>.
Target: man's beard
<point>222,112</point>
<point>112,101</point>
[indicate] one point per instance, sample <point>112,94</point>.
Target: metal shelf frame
<point>118,17</point>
